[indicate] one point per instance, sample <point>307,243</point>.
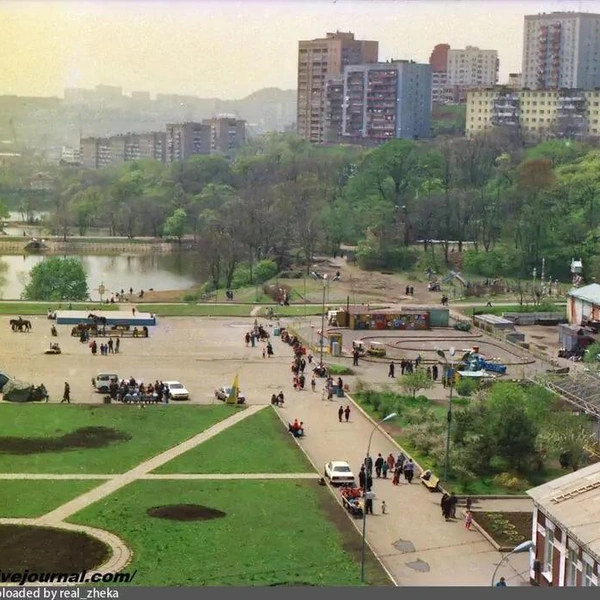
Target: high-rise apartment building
<point>152,145</point>
<point>561,50</point>
<point>454,71</point>
<point>334,102</point>
<point>187,139</point>
<point>227,134</point>
<point>390,100</point>
<point>95,152</point>
<point>472,67</point>
<point>536,114</point>
<point>438,61</point>
<point>318,61</point>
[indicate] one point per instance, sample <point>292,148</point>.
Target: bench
<point>430,481</point>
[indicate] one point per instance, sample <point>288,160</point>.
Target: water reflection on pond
<point>177,271</point>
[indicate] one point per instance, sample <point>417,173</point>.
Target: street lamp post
<point>451,364</point>
<point>322,341</point>
<point>364,523</point>
<point>523,547</point>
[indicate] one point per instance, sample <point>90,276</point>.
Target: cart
<point>352,501</point>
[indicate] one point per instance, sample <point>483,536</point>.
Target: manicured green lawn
<point>152,431</point>
<point>258,444</point>
<point>273,532</point>
<point>21,498</point>
<point>197,310</point>
<point>209,309</point>
<point>41,308</point>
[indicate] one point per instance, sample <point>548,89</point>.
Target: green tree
<point>416,381</point>
<point>175,224</point>
<point>56,279</point>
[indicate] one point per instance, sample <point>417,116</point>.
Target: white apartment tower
<point>472,67</point>
<point>561,50</point>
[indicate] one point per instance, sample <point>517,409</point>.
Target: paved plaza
<point>415,544</point>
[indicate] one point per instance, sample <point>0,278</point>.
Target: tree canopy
<point>505,206</point>
<point>55,279</point>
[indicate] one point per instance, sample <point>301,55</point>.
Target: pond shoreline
<point>90,245</point>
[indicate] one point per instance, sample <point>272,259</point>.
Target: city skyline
<point>229,49</point>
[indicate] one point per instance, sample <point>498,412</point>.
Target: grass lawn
<point>274,532</point>
<point>41,308</point>
<point>151,432</point>
<point>259,444</point>
<point>33,498</point>
<point>197,310</point>
<point>295,310</point>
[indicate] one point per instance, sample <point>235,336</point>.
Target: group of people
<point>296,429</point>
<point>257,333</point>
<point>408,366</point>
<point>134,391</point>
<point>111,347</point>
<point>277,399</point>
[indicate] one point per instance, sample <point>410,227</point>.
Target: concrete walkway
<point>106,489</point>
<point>415,544</point>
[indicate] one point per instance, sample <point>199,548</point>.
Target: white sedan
<point>177,391</point>
<point>339,472</point>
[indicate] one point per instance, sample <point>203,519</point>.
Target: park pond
<point>172,271</point>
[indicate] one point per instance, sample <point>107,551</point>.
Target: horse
<point>97,320</point>
<point>20,324</point>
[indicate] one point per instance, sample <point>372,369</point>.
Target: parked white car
<point>177,391</point>
<point>339,472</point>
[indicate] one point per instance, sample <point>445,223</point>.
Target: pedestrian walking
<point>347,413</point>
<point>383,507</point>
<point>391,461</point>
<point>468,520</point>
<point>397,473</point>
<point>341,413</point>
<point>313,384</point>
<point>434,372</point>
<point>117,345</point>
<point>392,370</point>
<point>369,465</point>
<point>133,311</point>
<point>369,496</point>
<point>401,460</point>
<point>378,465</point>
<point>111,348</point>
<point>468,503</point>
<point>66,394</point>
<point>362,477</point>
<point>355,356</point>
<point>446,507</point>
<point>453,501</point>
<point>384,469</point>
<point>409,470</point>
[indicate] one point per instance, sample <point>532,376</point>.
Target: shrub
<point>339,370</point>
<point>241,277</point>
<point>191,296</point>
<point>466,387</point>
<point>264,270</point>
<point>511,481</point>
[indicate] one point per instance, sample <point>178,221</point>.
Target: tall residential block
<point>390,100</point>
<point>95,152</point>
<point>152,145</point>
<point>227,134</point>
<point>318,61</point>
<point>438,61</point>
<point>187,139</point>
<point>535,114</point>
<point>561,50</point>
<point>472,67</point>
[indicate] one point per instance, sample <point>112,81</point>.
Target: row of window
<point>573,567</point>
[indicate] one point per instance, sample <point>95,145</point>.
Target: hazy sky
<point>228,48</point>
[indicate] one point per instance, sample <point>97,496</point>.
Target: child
<point>468,502</point>
<point>264,353</point>
<point>468,520</point>
<point>313,384</point>
<point>383,507</point>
